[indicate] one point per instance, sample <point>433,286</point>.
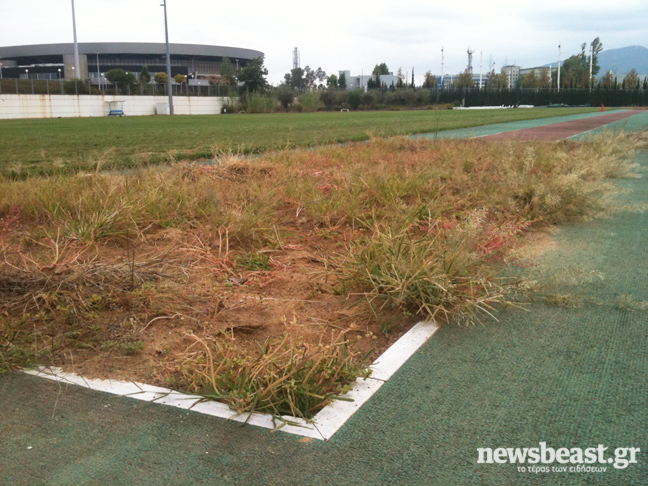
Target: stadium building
<point>56,61</point>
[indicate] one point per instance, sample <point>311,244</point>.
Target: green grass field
<point>71,144</point>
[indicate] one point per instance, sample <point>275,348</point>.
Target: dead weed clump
<point>287,375</point>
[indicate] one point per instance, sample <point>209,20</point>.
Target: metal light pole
<point>76,46</point>
<point>591,60</point>
<point>98,72</point>
<point>559,68</point>
<point>168,59</point>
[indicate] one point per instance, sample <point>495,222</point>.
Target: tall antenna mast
<point>470,54</point>
<point>481,58</point>
<point>441,67</point>
<point>296,61</point>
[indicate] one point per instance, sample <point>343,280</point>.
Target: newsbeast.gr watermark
<point>547,459</point>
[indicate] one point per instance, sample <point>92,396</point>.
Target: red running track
<point>560,131</point>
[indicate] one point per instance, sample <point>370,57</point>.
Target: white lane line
<point>490,134</point>
<point>325,424</point>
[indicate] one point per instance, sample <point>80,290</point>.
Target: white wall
<point>62,106</point>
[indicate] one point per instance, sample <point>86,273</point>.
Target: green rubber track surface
<point>571,377</point>
<point>486,130</point>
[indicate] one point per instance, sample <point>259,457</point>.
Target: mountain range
<point>623,60</point>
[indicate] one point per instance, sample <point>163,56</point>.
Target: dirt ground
<point>134,306</point>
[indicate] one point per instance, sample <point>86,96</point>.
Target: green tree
<point>597,47</point>
<point>227,71</point>
<point>429,80</point>
<point>161,78</point>
<point>607,82</point>
<point>285,95</point>
<point>465,80</point>
<point>295,78</point>
<point>572,71</point>
<point>145,75</point>
<point>401,78</point>
<point>342,83</point>
<point>530,80</point>
<point>354,99</point>
<point>121,77</point>
<point>575,69</point>
<point>544,81</point>
<point>631,80</point>
<point>180,78</point>
<point>253,76</point>
<point>496,81</point>
<point>332,81</point>
<point>380,69</point>
<point>312,76</point>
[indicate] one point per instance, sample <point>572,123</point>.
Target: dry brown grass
<point>100,265</point>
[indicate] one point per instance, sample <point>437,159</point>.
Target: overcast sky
<point>345,35</point>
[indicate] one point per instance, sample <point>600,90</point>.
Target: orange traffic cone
<point>602,107</point>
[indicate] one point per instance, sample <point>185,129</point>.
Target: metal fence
<point>85,87</point>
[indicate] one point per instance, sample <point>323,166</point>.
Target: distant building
<point>512,73</point>
<point>450,80</point>
<point>362,81</point>
<point>538,70</point>
<point>56,61</point>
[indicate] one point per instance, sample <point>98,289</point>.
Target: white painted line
<point>489,134</point>
<point>399,352</point>
<point>325,424</point>
<point>332,417</point>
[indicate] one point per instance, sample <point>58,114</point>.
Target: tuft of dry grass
<point>288,376</point>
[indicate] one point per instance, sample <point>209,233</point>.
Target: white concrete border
<point>65,106</point>
<point>325,424</point>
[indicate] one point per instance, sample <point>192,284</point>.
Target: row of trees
<point>283,98</point>
<point>533,80</point>
<point>251,78</point>
<point>128,78</point>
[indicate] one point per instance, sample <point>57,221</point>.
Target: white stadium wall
<point>64,106</point>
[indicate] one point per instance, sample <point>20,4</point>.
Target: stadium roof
<point>134,48</point>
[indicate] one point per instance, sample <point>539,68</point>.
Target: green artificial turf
<point>68,144</point>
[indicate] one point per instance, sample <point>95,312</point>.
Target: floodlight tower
<point>168,59</point>
<point>591,61</point>
<point>559,67</point>
<point>76,45</point>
